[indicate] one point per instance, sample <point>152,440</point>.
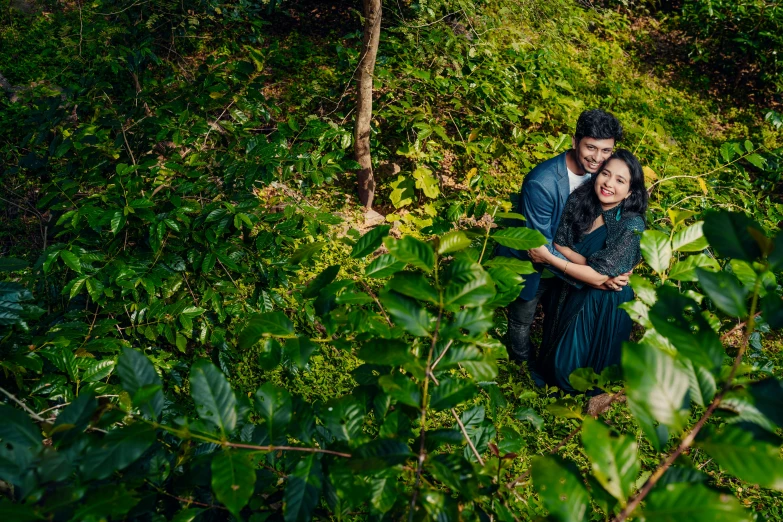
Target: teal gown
<point>583,327</point>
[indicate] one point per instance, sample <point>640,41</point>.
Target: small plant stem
<point>272,448</point>
<point>23,405</point>
<point>467,438</point>
<point>486,237</point>
<point>688,440</point>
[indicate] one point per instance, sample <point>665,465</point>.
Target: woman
<point>598,238</point>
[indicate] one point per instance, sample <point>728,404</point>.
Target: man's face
<point>592,153</point>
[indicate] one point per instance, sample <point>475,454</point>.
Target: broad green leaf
<point>72,260</point>
<point>214,399</point>
<point>675,317</point>
<point>413,284</point>
<point>320,281</point>
<point>511,263</point>
<point>560,486</point>
<point>370,241</point>
<point>656,383</point>
<point>455,471</point>
<point>343,417</point>
<point>401,388</point>
<point>117,221</point>
<point>451,392</point>
<point>75,417</point>
<point>692,502</point>
<point>402,193</point>
<point>690,239</point>
<point>386,352</point>
<point>383,490</point>
<point>738,452</point>
<point>407,313</point>
<point>269,323</point>
<point>530,415</point>
<point>643,289</point>
<point>94,288</point>
<point>12,264</point>
<point>233,479</point>
<point>306,252</point>
<point>411,251</point>
<point>18,429</point>
<point>299,350</point>
<point>520,238</point>
<point>136,372</point>
<point>725,290</point>
<point>469,285</point>
<point>275,407</point>
<point>303,489</point>
<point>510,215</point>
<point>426,182</point>
<point>107,502</point>
<point>729,233</point>
<point>768,399</point>
<point>379,454</point>
<point>117,450</point>
<point>772,307</point>
<point>702,384</point>
<point>657,250</point>
<point>685,270</point>
<point>775,257</point>
<point>613,458</point>
<point>453,241</point>
<point>383,266</point>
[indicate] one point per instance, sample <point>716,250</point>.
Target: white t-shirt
<point>574,180</point>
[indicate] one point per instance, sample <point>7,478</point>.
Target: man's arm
<point>538,207</point>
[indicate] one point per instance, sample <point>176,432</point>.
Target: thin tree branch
<point>467,438</point>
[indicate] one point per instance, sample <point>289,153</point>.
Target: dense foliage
<point>195,324</point>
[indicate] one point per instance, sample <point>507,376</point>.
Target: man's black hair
<point>598,124</point>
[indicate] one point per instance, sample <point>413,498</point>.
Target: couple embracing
<point>590,204</point>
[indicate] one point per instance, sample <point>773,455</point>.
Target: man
<point>542,199</point>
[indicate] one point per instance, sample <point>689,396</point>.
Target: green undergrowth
<point>159,217</point>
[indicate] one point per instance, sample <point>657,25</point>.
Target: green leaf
<point>343,417</point>
<point>702,384</point>
<point>303,489</point>
<point>117,450</point>
<point>692,502</point>
<point>94,288</point>
<point>75,417</point>
<point>685,270</point>
<point>775,257</point>
<point>729,233</point>
<point>453,241</point>
<point>383,490</point>
<point>725,290</point>
<point>12,264</point>
<point>233,479</point>
<point>107,502</point>
<point>756,160</point>
<point>426,182</point>
<point>402,193</point>
<point>657,250</point>
<point>275,407</point>
<point>559,484</point>
<point>17,512</point>
<point>407,312</point>
<point>72,260</point>
<point>299,350</point>
<point>520,238</point>
<point>530,415</point>
<point>768,399</point>
<point>370,241</point>
<point>510,215</point>
<point>18,429</point>
<point>214,399</point>
<point>320,281</point>
<point>117,221</point>
<point>643,289</point>
<point>675,317</point>
<point>511,263</point>
<point>411,251</point>
<point>738,452</point>
<point>271,323</point>
<point>656,383</point>
<point>772,307</point>
<point>690,239</point>
<point>384,266</point>
<point>136,372</point>
<point>305,252</point>
<point>401,388</point>
<point>451,392</point>
<point>386,352</point>
<point>613,458</point>
<point>413,284</point>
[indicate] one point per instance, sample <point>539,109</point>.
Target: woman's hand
<point>539,255</point>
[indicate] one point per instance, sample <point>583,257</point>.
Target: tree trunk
<point>372,33</point>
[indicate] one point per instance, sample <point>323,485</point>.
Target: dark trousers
<point>520,318</point>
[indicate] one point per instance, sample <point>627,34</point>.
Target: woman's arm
<point>572,255</point>
<point>580,272</point>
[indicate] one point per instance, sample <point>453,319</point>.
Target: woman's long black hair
<point>588,206</point>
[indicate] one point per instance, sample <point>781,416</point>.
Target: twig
<point>23,405</point>
<point>737,327</point>
<point>467,438</point>
<point>271,448</point>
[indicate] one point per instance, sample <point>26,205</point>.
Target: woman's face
<point>613,183</point>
